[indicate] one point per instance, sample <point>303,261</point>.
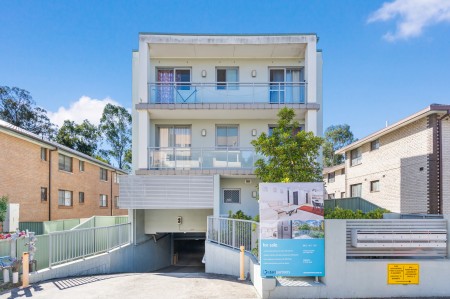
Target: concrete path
<point>139,285</point>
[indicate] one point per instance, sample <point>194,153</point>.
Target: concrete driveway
<point>139,285</point>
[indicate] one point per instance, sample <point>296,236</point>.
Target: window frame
<point>227,126</point>
<point>105,201</point>
<point>351,190</point>
<point>103,174</point>
<point>226,85</point>
<point>376,142</point>
<point>43,154</point>
<point>81,166</point>
<point>354,161</point>
<point>342,194</point>
<point>331,177</point>
<point>372,184</point>
<point>44,195</point>
<point>81,197</point>
<point>231,189</point>
<point>65,197</point>
<point>65,159</point>
<point>116,202</point>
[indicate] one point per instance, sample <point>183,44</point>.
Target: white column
<point>311,121</point>
<point>216,195</point>
<point>144,62</point>
<point>143,139</point>
<point>311,69</point>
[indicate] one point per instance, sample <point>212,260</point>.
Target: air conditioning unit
<point>248,181</point>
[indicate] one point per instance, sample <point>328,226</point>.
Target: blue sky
<point>382,61</point>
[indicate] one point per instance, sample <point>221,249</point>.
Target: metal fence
<point>351,203</point>
<point>396,238</point>
<point>99,221</point>
<point>234,233</point>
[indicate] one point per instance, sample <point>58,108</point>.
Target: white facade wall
<point>338,186</point>
<point>165,221</point>
<point>248,204</point>
<point>397,165</point>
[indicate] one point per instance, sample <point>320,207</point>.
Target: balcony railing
<point>201,158</point>
<point>227,93</point>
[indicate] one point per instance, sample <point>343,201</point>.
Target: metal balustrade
<point>201,158</point>
<point>227,92</point>
<point>234,233</point>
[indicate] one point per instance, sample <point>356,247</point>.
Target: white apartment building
<point>404,167</point>
<point>198,102</point>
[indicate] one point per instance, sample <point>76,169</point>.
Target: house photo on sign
<point>292,229</point>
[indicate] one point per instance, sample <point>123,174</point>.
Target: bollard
<point>242,277</point>
<point>5,275</point>
<point>25,270</point>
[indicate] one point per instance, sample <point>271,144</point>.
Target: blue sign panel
<point>291,229</point>
<point>292,258</point>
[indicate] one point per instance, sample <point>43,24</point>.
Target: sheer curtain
<point>165,86</point>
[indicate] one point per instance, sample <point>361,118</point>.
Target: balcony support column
<point>311,70</point>
<point>311,121</point>
<point>217,203</point>
<point>144,62</point>
<point>143,139</point>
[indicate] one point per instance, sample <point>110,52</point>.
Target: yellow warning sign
<point>403,273</point>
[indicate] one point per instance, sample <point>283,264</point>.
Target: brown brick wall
<point>23,173</point>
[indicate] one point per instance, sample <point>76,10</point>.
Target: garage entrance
<point>188,250</point>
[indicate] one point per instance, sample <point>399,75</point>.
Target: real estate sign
<point>291,229</point>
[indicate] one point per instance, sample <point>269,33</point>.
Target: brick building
<point>51,181</point>
<point>404,167</point>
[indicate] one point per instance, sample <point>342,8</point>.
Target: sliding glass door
<point>170,82</point>
<point>286,85</point>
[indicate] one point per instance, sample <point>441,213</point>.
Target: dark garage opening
<point>188,251</point>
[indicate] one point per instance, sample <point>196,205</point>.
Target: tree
<point>82,137</point>
<point>115,125</point>
<point>3,207</point>
<point>336,137</point>
<point>290,155</point>
<point>18,108</point>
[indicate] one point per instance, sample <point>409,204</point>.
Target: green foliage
<point>239,215</point>
<point>336,137</point>
<point>3,207</point>
<point>82,137</point>
<point>18,108</point>
<point>115,125</point>
<point>339,213</point>
<point>289,156</point>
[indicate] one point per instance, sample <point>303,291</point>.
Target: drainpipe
<point>440,159</point>
<point>50,182</point>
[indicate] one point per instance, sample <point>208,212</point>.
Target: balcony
<point>188,158</point>
<point>227,93</point>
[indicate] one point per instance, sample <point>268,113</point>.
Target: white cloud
<point>84,108</point>
<point>412,16</point>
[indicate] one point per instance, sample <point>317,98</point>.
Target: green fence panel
<point>5,248</point>
<point>101,221</point>
<point>352,203</point>
<point>121,219</point>
<point>70,223</point>
<point>42,250</point>
<point>36,227</point>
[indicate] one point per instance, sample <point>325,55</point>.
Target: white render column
<point>143,139</point>
<point>311,121</point>
<point>216,204</point>
<point>144,62</point>
<point>311,69</point>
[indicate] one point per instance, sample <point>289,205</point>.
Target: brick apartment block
<point>404,167</point>
<point>51,181</point>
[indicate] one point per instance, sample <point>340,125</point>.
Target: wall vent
<point>248,181</point>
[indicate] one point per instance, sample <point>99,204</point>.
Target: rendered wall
<point>248,204</point>
<point>165,221</point>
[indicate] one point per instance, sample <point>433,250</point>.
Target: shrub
<point>339,213</point>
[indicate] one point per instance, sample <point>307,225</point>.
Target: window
<point>294,132</point>
<point>227,78</point>
<point>103,200</point>
<point>331,196</point>
<point>356,157</point>
<point>65,163</point>
<point>116,201</point>
<point>116,178</point>
<point>81,197</point>
<point>232,195</point>
<point>103,174</point>
<point>355,190</point>
<point>374,145</point>
<point>81,165</point>
<point>43,194</point>
<point>173,85</point>
<point>342,194</point>
<point>173,136</point>
<point>65,198</point>
<point>227,136</point>
<point>375,186</point>
<point>43,154</point>
<point>343,171</point>
<point>287,85</point>
<point>331,177</point>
